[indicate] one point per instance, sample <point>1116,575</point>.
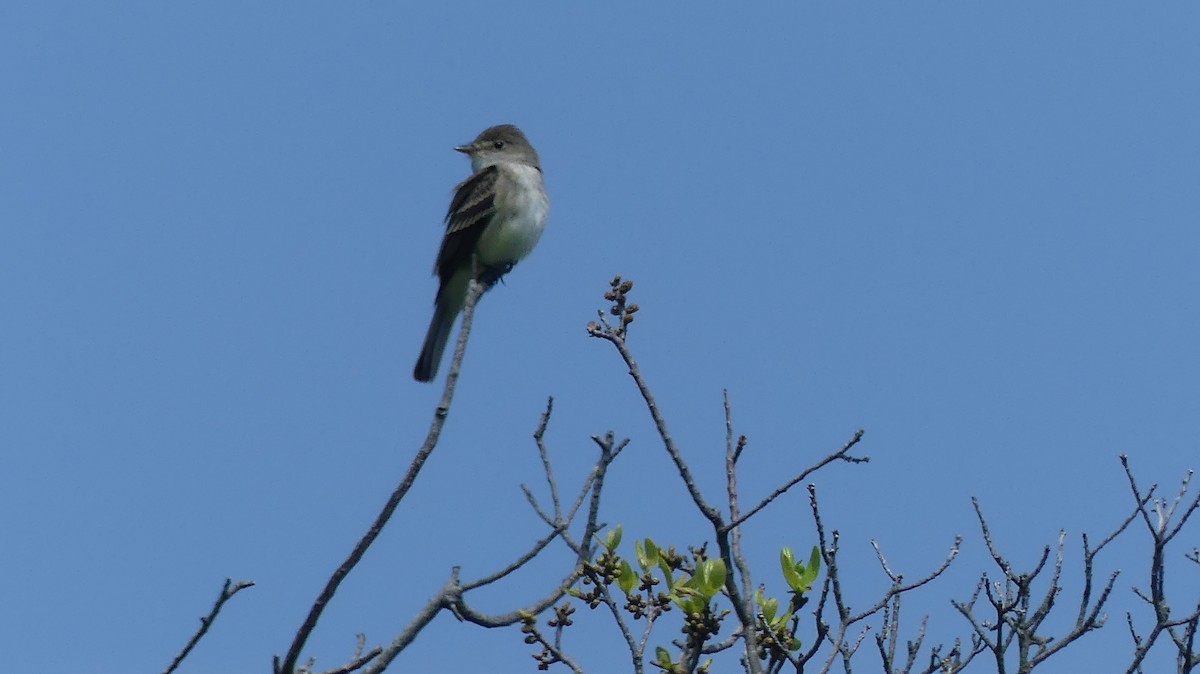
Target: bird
<point>494,220</point>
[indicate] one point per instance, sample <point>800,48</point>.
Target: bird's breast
<point>521,210</point>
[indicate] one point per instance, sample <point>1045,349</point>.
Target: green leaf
<point>662,562</point>
<point>800,577</point>
<point>781,621</point>
<point>712,577</point>
<point>787,563</point>
<point>647,554</point>
<point>613,538</point>
<point>707,579</point>
<point>768,607</point>
<point>663,658</point>
<point>699,580</point>
<point>689,600</point>
<point>814,564</point>
<point>628,578</point>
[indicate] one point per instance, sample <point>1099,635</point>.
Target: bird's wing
<point>470,211</point>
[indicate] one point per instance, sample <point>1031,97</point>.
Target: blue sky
<point>969,230</point>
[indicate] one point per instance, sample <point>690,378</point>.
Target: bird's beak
<point>465,149</point>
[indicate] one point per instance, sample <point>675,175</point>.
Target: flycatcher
<point>494,220</point>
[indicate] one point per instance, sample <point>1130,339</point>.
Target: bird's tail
<point>435,343</point>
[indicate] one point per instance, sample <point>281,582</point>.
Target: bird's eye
<point>499,145</point>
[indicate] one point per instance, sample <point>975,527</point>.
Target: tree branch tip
<point>604,440</point>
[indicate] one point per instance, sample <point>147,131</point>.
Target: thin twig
<point>288,666</point>
<point>553,649</point>
<point>229,589</point>
<point>538,437</point>
<point>732,452</point>
<point>1161,532</point>
<point>518,562</point>
<point>610,334</point>
<point>842,454</point>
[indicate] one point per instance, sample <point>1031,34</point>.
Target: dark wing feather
<point>470,211</point>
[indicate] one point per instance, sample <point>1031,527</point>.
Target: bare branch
<point>518,562</point>
<point>1011,599</point>
<point>842,454</point>
<point>898,586</point>
<point>359,659</point>
<point>538,437</point>
<point>732,452</point>
<point>534,634</point>
<point>474,292</point>
<point>451,596</point>
<point>229,589</point>
<point>616,336</point>
<point>1162,530</point>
